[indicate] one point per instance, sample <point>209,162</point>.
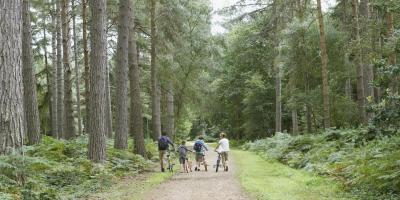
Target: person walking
<point>163,147</point>
<point>223,148</point>
<point>200,148</point>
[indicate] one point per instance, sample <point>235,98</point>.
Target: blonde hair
<point>222,134</point>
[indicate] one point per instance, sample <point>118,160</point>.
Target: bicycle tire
<point>216,168</point>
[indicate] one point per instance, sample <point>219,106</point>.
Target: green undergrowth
<point>269,179</point>
<point>368,169</point>
<point>58,169</point>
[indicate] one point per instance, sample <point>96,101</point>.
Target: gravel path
<point>201,185</point>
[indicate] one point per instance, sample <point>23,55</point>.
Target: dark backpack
<point>197,146</point>
<point>163,143</point>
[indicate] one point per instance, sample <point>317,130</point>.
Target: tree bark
<point>295,122</point>
<point>29,79</point>
<point>324,60</point>
<point>69,131</point>
<point>60,79</point>
<point>12,119</point>
<point>97,100</point>
<point>136,125</point>
<point>170,111</point>
<point>48,70</point>
<point>121,109</point>
<point>278,96</point>
<point>86,62</point>
<point>155,97</point>
<point>392,55</point>
<point>358,62</point>
<point>53,85</point>
<point>108,105</point>
<point>77,79</point>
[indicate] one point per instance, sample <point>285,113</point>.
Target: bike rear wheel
<point>216,167</point>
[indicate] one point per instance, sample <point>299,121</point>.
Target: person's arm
<point>219,143</point>
<point>205,146</point>
<point>188,149</point>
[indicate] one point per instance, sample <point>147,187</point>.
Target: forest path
<point>202,184</point>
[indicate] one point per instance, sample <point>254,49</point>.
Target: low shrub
<point>369,168</point>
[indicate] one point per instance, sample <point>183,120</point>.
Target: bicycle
<point>219,157</point>
<point>169,162</point>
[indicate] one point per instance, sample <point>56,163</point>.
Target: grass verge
<point>133,188</point>
<point>268,179</point>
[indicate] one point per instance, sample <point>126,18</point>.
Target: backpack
<point>182,150</point>
<point>197,146</point>
<point>162,143</point>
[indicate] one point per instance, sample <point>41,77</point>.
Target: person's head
<point>222,135</point>
<point>183,142</point>
<point>201,137</point>
<point>163,133</point>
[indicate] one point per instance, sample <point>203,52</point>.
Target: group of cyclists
<point>199,149</point>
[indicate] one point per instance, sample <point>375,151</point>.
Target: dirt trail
<point>201,185</point>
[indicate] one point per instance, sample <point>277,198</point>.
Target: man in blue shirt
<point>163,145</point>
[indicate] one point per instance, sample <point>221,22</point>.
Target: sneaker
<point>195,169</point>
<point>162,170</point>
<point>226,168</point>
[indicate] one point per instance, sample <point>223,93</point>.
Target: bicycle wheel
<point>216,167</point>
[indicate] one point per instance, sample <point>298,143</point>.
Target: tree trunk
<point>48,71</point>
<point>53,85</point>
<point>170,111</point>
<point>29,79</point>
<point>360,70</point>
<point>392,55</point>
<point>136,126</point>
<point>108,105</point>
<point>324,60</point>
<point>69,130</point>
<point>295,122</point>
<point>60,80</point>
<point>12,119</point>
<point>86,62</point>
<point>155,98</point>
<point>97,100</point>
<point>121,109</point>
<point>278,97</point>
<point>77,79</point>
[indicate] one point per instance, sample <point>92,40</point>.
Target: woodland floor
<point>249,177</point>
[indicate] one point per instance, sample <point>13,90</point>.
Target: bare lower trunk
<point>170,129</point>
<point>295,122</point>
<point>360,70</point>
<point>97,100</point>
<point>136,104</point>
<point>77,79</point>
<point>69,128</point>
<point>48,73</point>
<point>392,55</point>
<point>12,119</point>
<point>86,62</point>
<point>60,79</point>
<point>155,98</point>
<point>29,79</point>
<point>121,99</point>
<point>108,105</point>
<point>53,85</point>
<point>324,60</point>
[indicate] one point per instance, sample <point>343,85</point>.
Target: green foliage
<point>369,169</point>
<point>56,168</point>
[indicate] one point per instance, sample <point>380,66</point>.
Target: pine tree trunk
<point>278,95</point>
<point>69,130</point>
<point>12,119</point>
<point>324,60</point>
<point>77,79</point>
<point>155,97</point>
<point>392,55</point>
<point>97,101</point>
<point>360,70</point>
<point>60,79</point>
<point>29,79</point>
<point>295,122</point>
<point>170,111</point>
<point>121,109</point>
<point>136,125</point>
<point>108,105</point>
<point>53,85</point>
<point>86,63</point>
<point>48,72</point>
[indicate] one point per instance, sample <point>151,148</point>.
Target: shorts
<point>162,153</point>
<point>182,160</point>
<point>199,157</point>
<point>225,155</point>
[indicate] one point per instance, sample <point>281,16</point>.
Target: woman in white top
<point>223,148</point>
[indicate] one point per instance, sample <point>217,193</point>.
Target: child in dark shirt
<point>183,160</point>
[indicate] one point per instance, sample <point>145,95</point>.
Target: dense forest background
<point>102,80</point>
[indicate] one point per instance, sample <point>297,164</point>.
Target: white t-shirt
<point>223,145</point>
